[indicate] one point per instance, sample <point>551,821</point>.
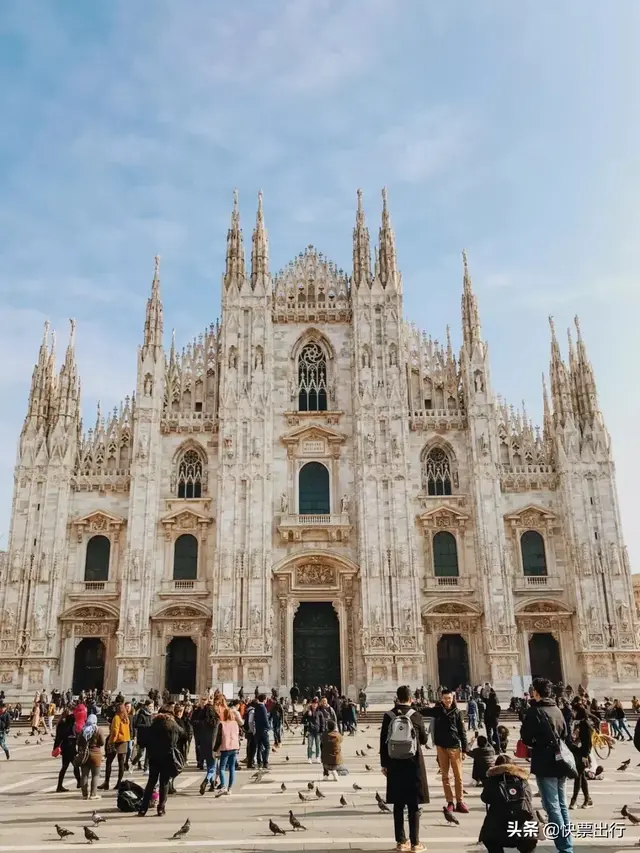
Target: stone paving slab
<point>29,808</point>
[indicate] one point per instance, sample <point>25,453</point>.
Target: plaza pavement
<point>29,808</point>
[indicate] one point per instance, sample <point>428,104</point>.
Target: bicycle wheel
<point>602,749</point>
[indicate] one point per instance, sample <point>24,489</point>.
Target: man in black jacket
<point>144,718</point>
<point>543,727</point>
<point>450,739</point>
<point>5,725</point>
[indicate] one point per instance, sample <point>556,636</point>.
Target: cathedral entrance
<point>181,665</point>
<point>88,665</point>
<point>453,661</point>
<point>316,646</point>
<point>544,657</point>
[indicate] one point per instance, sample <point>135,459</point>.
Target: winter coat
<point>494,832</point>
<point>331,749</point>
<point>80,716</point>
<point>483,759</point>
<point>581,743</point>
<point>536,734</point>
<point>163,736</point>
<point>95,744</point>
<point>66,737</point>
<point>492,711</point>
<point>5,722</point>
<point>120,731</point>
<point>229,735</point>
<point>314,721</point>
<point>261,718</point>
<point>207,731</point>
<point>406,777</point>
<point>448,728</point>
<point>144,718</point>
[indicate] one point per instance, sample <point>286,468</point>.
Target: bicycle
<point>602,744</point>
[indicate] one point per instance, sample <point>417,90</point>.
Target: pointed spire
<point>361,247</point>
<point>387,242</point>
<point>234,268</point>
<point>259,248</point>
<point>573,375</point>
<point>471,332</point>
<point>153,319</point>
<point>585,380</point>
<point>68,382</point>
<point>560,386</point>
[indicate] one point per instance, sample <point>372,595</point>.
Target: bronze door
<point>316,646</point>
<point>88,665</point>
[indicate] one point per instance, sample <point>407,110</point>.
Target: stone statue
<point>255,619</point>
<point>148,385</point>
<point>376,619</point>
<point>395,446</point>
<point>623,613</point>
<point>16,566</point>
<point>132,620</point>
<point>135,566</point>
<point>44,568</point>
<point>479,381</point>
<point>594,618</point>
<point>344,504</point>
<point>8,620</point>
<point>226,621</point>
<point>268,640</point>
<point>407,614</point>
<point>284,503</point>
<point>38,619</point>
<point>614,558</point>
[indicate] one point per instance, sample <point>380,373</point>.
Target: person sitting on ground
<point>331,751</point>
<point>507,795</point>
<point>483,758</point>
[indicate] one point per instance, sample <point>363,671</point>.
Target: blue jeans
<point>264,746</point>
<point>313,738</point>
<point>625,728</point>
<point>555,804</point>
<point>211,769</point>
<point>472,721</point>
<point>228,758</point>
<point>3,742</point>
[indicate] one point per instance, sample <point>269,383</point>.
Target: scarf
<point>90,728</point>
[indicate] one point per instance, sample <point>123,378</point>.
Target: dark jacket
<point>406,778</point>
<point>494,832</point>
<point>206,732</point>
<point>66,736</point>
<point>314,721</point>
<point>95,744</point>
<point>261,718</point>
<point>483,759</point>
<point>581,742</point>
<point>536,733</point>
<point>492,711</point>
<point>448,727</point>
<point>144,718</point>
<point>5,722</point>
<point>164,735</point>
<point>331,749</point>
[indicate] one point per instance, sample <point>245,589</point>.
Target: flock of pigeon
<point>91,835</point>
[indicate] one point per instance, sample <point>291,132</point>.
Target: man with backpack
<point>450,740</point>
<point>507,796</point>
<point>402,762</point>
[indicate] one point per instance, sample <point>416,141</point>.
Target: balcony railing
<point>523,583</point>
<point>447,584</point>
<point>102,589</point>
<point>193,588</point>
<point>333,526</point>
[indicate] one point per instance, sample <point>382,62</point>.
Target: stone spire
<point>68,382</point>
<point>585,381</point>
<point>41,385</point>
<point>471,331</point>
<point>361,248</point>
<point>153,320</point>
<point>547,420</point>
<point>560,385</point>
<point>259,248</point>
<point>573,376</point>
<point>234,268</point>
<point>386,247</point>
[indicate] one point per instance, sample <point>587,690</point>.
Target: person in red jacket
<point>80,716</point>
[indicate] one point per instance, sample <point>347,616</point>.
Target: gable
<point>530,515</point>
<point>313,432</point>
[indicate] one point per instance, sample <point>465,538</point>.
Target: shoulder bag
<point>565,762</point>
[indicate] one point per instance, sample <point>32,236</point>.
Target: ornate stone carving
<point>315,575</point>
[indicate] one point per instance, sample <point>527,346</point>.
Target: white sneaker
<point>317,761</point>
<point>309,761</point>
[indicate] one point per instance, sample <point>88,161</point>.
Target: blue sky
<point>510,129</point>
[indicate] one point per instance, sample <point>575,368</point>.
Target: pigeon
<point>90,835</point>
<point>356,787</point>
<point>369,747</point>
<point>541,818</point>
<point>379,798</point>
<point>97,818</point>
<point>367,767</point>
<point>384,807</point>
<point>186,826</point>
<point>62,832</point>
<point>319,794</point>
<point>311,786</point>
<point>343,802</point>
<point>632,818</point>
<point>295,823</point>
<point>286,758</point>
<point>450,818</point>
<point>27,742</point>
<point>275,828</point>
<point>302,797</point>
<point>624,765</point>
<point>283,787</point>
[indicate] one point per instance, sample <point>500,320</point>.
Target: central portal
<point>316,646</point>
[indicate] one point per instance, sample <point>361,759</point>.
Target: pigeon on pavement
<point>295,823</point>
<point>384,807</point>
<point>450,818</point>
<point>275,828</point>
<point>90,835</point>
<point>186,826</point>
<point>62,832</point>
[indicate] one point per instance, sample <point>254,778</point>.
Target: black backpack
<point>513,794</point>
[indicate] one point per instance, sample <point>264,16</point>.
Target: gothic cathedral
<point>314,491</point>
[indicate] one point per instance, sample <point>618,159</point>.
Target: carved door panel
<point>316,646</point>
<point>181,666</point>
<point>88,665</point>
<point>453,661</point>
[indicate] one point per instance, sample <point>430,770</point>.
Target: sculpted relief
<point>315,575</point>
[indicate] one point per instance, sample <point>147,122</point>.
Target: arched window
<point>313,495</point>
<point>436,472</point>
<point>445,555</point>
<point>96,563</point>
<point>190,475</point>
<point>534,561</point>
<point>312,379</point>
<point>185,558</point>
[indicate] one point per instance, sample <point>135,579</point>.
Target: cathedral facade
<point>315,491</point>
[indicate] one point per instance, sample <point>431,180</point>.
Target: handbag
<point>565,762</point>
<point>56,752</point>
<point>176,761</point>
<point>522,750</point>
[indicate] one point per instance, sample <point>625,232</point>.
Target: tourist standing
<point>581,748</point>
<point>5,725</point>
<point>89,745</point>
<point>450,740</point>
<point>117,746</point>
<point>229,746</point>
<point>163,739</point>
<point>402,763</point>
<point>541,730</point>
<point>313,721</point>
<point>64,745</point>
